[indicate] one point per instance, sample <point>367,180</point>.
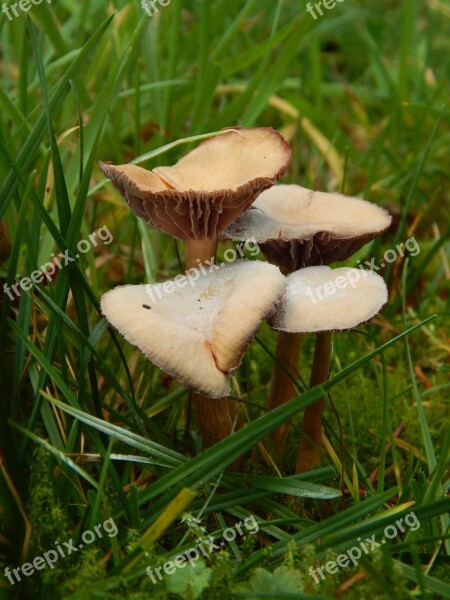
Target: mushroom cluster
<point>195,200</point>
<point>299,228</point>
<point>224,190</point>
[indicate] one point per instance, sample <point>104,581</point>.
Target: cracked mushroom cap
<point>197,328</point>
<point>324,299</point>
<point>209,187</point>
<point>297,227</point>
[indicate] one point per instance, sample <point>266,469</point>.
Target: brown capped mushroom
<point>297,227</point>
<point>209,187</point>
<point>206,190</point>
<point>322,300</point>
<point>197,327</point>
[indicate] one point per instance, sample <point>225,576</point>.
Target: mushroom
<point>206,190</point>
<point>197,327</point>
<point>198,197</point>
<point>295,228</point>
<point>322,300</point>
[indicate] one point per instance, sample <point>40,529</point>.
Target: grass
<point>90,430</point>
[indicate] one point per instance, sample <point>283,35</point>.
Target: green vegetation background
<point>89,429</point>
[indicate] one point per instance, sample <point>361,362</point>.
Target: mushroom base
<point>311,440</point>
<point>282,387</point>
<point>216,420</point>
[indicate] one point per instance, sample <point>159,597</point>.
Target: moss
<point>43,501</point>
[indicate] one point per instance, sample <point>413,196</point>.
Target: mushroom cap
<point>324,299</point>
<point>297,227</point>
<point>197,328</point>
<point>209,187</point>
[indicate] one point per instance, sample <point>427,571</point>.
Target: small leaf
<point>283,580</point>
<point>189,581</point>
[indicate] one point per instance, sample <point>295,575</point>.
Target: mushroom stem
<point>282,388</point>
<point>215,417</point>
<point>311,440</point>
<point>198,251</point>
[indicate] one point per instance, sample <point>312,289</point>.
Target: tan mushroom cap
<point>297,227</point>
<point>325,299</point>
<point>198,328</point>
<point>209,187</point>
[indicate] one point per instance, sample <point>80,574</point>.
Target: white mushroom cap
<point>297,227</point>
<point>325,299</point>
<point>209,187</point>
<point>197,329</point>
